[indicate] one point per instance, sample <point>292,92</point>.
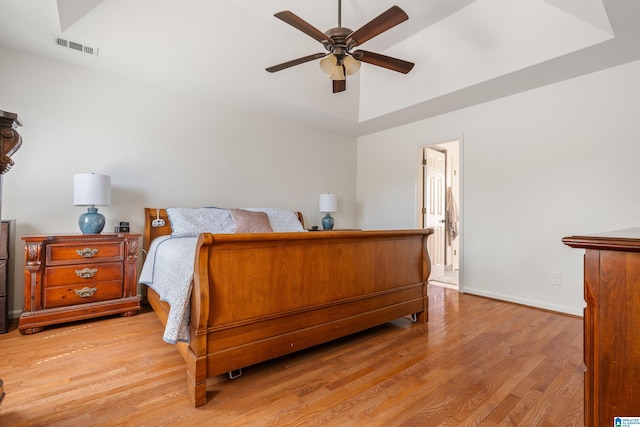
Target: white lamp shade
<point>328,202</point>
<point>90,189</point>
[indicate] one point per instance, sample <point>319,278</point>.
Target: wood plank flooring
<point>478,362</point>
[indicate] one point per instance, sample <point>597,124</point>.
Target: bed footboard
<point>261,296</point>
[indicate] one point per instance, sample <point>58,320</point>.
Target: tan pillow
<point>250,222</point>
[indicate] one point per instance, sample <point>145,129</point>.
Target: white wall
<point>537,166</point>
<point>161,150</point>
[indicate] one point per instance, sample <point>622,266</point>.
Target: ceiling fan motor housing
<point>339,36</point>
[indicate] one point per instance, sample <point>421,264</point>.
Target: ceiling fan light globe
<point>328,63</point>
<point>338,73</point>
<point>351,65</point>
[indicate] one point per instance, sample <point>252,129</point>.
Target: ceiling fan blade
<point>294,62</point>
<point>378,25</point>
<point>302,25</point>
<point>339,86</point>
<point>384,61</point>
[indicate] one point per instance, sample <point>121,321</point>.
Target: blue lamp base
<point>327,222</point>
<point>91,222</point>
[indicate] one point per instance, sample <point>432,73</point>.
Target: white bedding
<point>168,270</point>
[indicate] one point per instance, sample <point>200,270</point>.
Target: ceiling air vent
<point>76,46</point>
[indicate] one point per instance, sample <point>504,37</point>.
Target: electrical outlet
<point>556,279</point>
<point>158,222</point>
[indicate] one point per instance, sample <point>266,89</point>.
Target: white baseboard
<point>537,304</point>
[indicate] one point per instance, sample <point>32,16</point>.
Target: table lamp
<point>328,204</point>
<point>90,189</point>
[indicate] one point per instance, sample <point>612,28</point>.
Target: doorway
<point>439,195</point>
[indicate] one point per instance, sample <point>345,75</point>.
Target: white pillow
<point>190,222</point>
<point>282,220</point>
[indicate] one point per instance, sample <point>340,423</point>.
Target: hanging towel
<point>451,217</point>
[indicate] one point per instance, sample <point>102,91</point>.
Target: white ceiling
<point>466,51</point>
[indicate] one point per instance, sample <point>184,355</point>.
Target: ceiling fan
<point>339,42</point>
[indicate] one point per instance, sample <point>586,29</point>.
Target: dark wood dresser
<point>10,142</point>
<point>7,229</point>
<point>611,324</point>
<point>78,276</point>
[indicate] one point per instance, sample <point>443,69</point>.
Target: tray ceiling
<point>465,51</point>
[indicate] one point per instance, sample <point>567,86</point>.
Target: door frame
<point>438,144</point>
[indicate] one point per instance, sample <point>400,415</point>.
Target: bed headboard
<point>151,232</point>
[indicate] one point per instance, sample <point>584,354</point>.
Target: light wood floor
<point>477,362</point>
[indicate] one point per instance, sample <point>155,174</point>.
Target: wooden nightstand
<point>75,277</point>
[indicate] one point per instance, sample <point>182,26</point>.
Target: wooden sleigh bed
<point>257,296</point>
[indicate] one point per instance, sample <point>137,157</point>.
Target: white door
<point>433,210</point>
<point>455,187</point>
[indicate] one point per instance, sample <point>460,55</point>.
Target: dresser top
<point>10,117</point>
<point>618,240</point>
<point>77,237</point>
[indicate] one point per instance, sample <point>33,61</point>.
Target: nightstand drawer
<point>84,252</point>
<point>85,274</point>
<point>63,296</point>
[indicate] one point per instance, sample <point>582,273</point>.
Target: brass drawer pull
<point>85,292</point>
<point>87,252</point>
<point>86,273</point>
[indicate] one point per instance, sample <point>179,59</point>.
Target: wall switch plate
<point>556,279</point>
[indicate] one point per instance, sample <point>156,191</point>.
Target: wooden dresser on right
<point>611,324</point>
